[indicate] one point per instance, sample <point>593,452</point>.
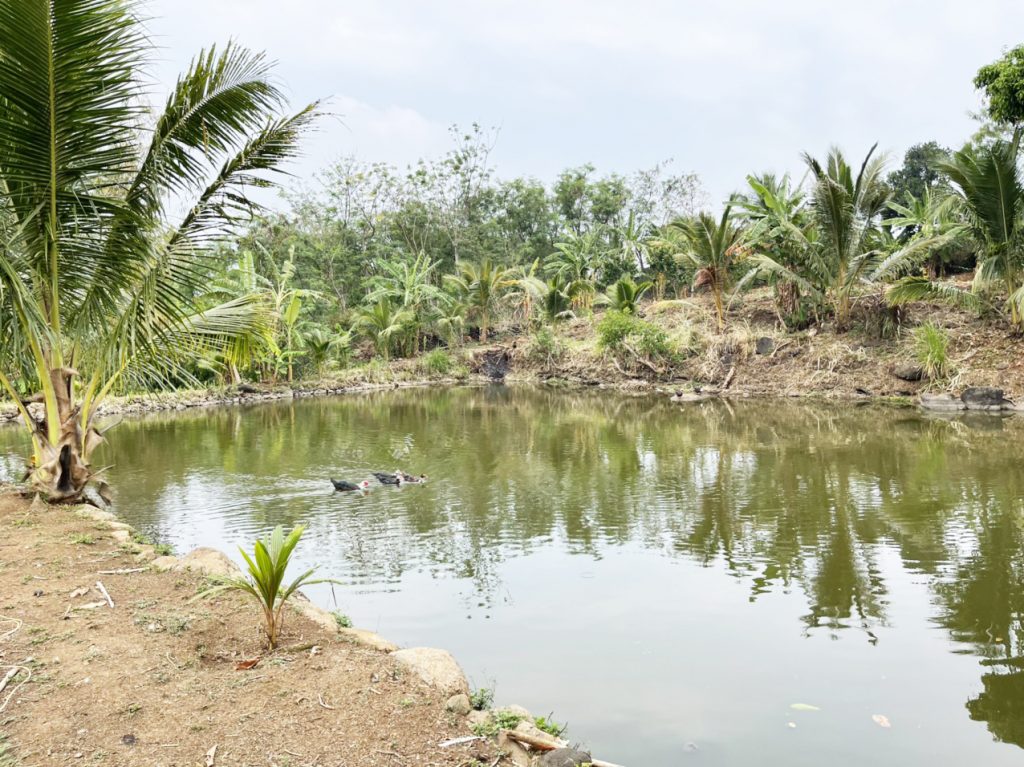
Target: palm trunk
<point>61,471</point>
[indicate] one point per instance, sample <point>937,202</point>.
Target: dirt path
<point>153,680</point>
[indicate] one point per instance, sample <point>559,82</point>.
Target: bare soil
<point>153,680</point>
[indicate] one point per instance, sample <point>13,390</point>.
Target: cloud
<point>725,88</point>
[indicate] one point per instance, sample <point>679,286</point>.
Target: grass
<point>549,725</point>
<point>83,539</point>
<point>481,698</point>
<point>343,621</point>
<point>7,758</point>
<point>437,362</point>
<point>500,720</point>
<point>931,347</point>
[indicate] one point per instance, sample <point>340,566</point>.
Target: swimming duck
<point>388,479</point>
<point>411,480</point>
<point>342,486</point>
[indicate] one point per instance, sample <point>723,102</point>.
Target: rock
<point>121,536</point>
<point>564,757</point>
<point>515,710</point>
<point>983,398</point>
<point>162,564</point>
<point>474,718</point>
<point>764,345</point>
<point>941,402</point>
<point>908,371</point>
<point>517,753</point>
<point>434,667</point>
<point>367,639</point>
<point>458,704</point>
<point>208,561</point>
<point>529,728</point>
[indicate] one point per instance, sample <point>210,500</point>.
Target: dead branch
<point>105,593</point>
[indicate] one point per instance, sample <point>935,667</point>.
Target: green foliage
<point>544,347</point>
<point>481,698</point>
<point>550,726</point>
<point>437,362</point>
<point>265,582</point>
<point>342,620</point>
<point>624,296</point>
<point>713,248</point>
<point>632,339</point>
<point>1003,83</point>
<point>83,539</point>
<point>931,345</point>
<point>498,721</point>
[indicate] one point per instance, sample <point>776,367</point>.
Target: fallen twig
<point>459,741</point>
<point>320,700</point>
<point>105,593</point>
<point>123,571</point>
<point>546,745</point>
<point>728,377</point>
<point>7,679</point>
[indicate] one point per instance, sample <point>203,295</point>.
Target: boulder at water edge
<point>209,562</point>
<point>942,402</point>
<point>907,371</point>
<point>983,398</point>
<point>564,757</point>
<point>435,667</point>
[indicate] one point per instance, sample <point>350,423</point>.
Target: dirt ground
<point>153,680</point>
<point>816,362</point>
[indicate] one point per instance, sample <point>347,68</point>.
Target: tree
<point>624,296</point>
<point>1003,83</point>
<point>383,324</point>
<point>482,287</point>
<point>98,275</point>
<point>989,188</point>
<point>919,173</point>
<point>842,246</point>
<point>713,247</point>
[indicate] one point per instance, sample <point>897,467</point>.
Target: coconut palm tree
<point>408,284</point>
<point>576,261</point>
<point>713,248</point>
<point>989,187</point>
<point>482,287</point>
<point>384,324</point>
<point>625,294</point>
<point>106,228</point>
<point>841,247</point>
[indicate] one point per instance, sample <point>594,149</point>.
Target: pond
<point>737,583</point>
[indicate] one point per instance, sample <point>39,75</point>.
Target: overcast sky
<point>723,88</point>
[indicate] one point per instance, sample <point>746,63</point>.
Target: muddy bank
<point>108,658</point>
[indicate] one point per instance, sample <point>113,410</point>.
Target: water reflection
<point>827,503</point>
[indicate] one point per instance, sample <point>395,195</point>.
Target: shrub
<point>931,344</point>
<point>437,362</point>
<point>544,347</point>
<point>343,621</point>
<point>265,583</point>
<point>632,339</point>
<point>481,699</point>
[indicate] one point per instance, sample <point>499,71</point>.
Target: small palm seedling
<point>265,582</point>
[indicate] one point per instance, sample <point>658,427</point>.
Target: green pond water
<point>670,580</point>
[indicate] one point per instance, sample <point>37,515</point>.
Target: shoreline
<point>452,731</point>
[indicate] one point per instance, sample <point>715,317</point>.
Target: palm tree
<point>932,216</point>
<point>841,248</point>
<point>99,273</point>
<point>482,288</point>
<point>713,248</point>
<point>575,261</point>
<point>409,285</point>
<point>988,188</point>
<point>625,295</point>
<point>383,324</point>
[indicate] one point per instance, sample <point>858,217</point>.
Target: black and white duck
<point>342,485</point>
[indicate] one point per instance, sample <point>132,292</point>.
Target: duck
<point>342,485</point>
<point>411,480</point>
<point>388,479</point>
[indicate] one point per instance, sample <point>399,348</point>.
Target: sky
<point>722,89</point>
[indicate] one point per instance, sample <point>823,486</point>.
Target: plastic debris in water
<point>881,720</point>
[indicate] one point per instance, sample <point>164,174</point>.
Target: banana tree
<point>108,230</point>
